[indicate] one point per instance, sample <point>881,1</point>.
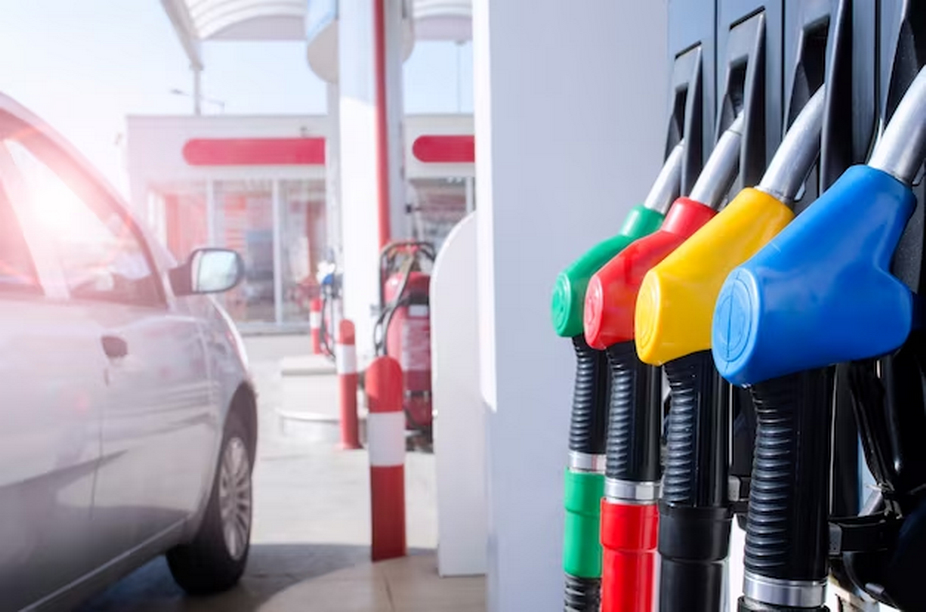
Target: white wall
<point>570,107</point>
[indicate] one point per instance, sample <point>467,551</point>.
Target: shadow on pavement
<point>272,568</point>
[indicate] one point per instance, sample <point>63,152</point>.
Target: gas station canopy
<point>200,20</point>
<point>197,21</point>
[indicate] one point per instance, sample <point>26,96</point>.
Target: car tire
<point>216,557</point>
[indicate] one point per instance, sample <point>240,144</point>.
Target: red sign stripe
<point>445,149</point>
<point>255,151</point>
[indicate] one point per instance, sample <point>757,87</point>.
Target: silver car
<point>128,424</point>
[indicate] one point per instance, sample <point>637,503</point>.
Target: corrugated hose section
<point>582,594</point>
<point>786,529</point>
<point>589,400</point>
<point>635,418</point>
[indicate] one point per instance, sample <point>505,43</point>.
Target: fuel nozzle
<point>569,291</point>
<point>819,293</point>
<point>584,479</point>
<point>676,303</point>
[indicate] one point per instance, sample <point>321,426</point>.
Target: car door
<point>52,380</point>
<point>159,424</point>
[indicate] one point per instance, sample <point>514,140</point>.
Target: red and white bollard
<point>346,364</point>
<point>386,444</point>
<point>315,325</point>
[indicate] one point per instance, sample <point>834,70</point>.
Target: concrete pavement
<point>310,538</point>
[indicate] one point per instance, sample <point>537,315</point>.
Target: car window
<point>17,271</point>
<point>101,257</point>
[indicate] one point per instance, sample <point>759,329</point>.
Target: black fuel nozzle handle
<point>633,440</point>
<point>695,513</point>
<point>629,514</point>
<point>589,421</point>
<point>787,531</point>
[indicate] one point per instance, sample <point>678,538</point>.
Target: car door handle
<point>114,347</point>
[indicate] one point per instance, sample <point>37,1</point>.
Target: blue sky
<point>83,65</point>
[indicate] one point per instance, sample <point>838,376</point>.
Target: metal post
<point>197,90</point>
<point>277,254</point>
<point>470,195</point>
<point>211,238</point>
<point>386,443</point>
<point>346,363</point>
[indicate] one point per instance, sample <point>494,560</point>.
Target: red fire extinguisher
<point>403,330</point>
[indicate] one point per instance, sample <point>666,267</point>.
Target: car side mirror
<point>208,270</point>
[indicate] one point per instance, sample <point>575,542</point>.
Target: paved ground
<point>310,541</point>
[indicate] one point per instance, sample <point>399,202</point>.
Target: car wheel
<point>215,559</point>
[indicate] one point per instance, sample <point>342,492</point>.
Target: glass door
<point>302,245</point>
<point>439,204</point>
<point>244,222</point>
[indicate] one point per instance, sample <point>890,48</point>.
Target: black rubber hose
<point>589,425</point>
<point>635,419</point>
<point>695,514</point>
<point>587,436</point>
<point>787,532</point>
<point>324,332</point>
<point>582,594</point>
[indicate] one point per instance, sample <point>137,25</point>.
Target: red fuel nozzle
<point>611,297</point>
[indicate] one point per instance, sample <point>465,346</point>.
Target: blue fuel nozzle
<point>821,292</point>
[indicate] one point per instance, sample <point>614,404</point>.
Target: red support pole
<point>315,325</point>
<point>386,441</point>
<point>382,120</point>
<point>346,363</point>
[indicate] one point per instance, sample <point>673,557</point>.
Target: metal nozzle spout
<point>902,147</point>
<point>668,184</point>
<point>797,152</point>
<point>721,168</point>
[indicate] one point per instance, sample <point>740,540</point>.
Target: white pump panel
<point>459,428</point>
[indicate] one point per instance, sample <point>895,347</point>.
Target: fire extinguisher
<point>403,328</point>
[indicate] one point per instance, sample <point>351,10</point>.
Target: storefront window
<point>244,222</point>
<point>280,279</point>
<point>183,210</point>
<point>438,205</point>
<point>302,236</point>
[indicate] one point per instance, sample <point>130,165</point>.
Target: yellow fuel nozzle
<point>675,306</point>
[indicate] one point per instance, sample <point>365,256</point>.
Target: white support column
<point>197,90</point>
<point>395,117</point>
<point>570,108</point>
<point>277,252</point>
<point>333,175</point>
<point>358,157</point>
